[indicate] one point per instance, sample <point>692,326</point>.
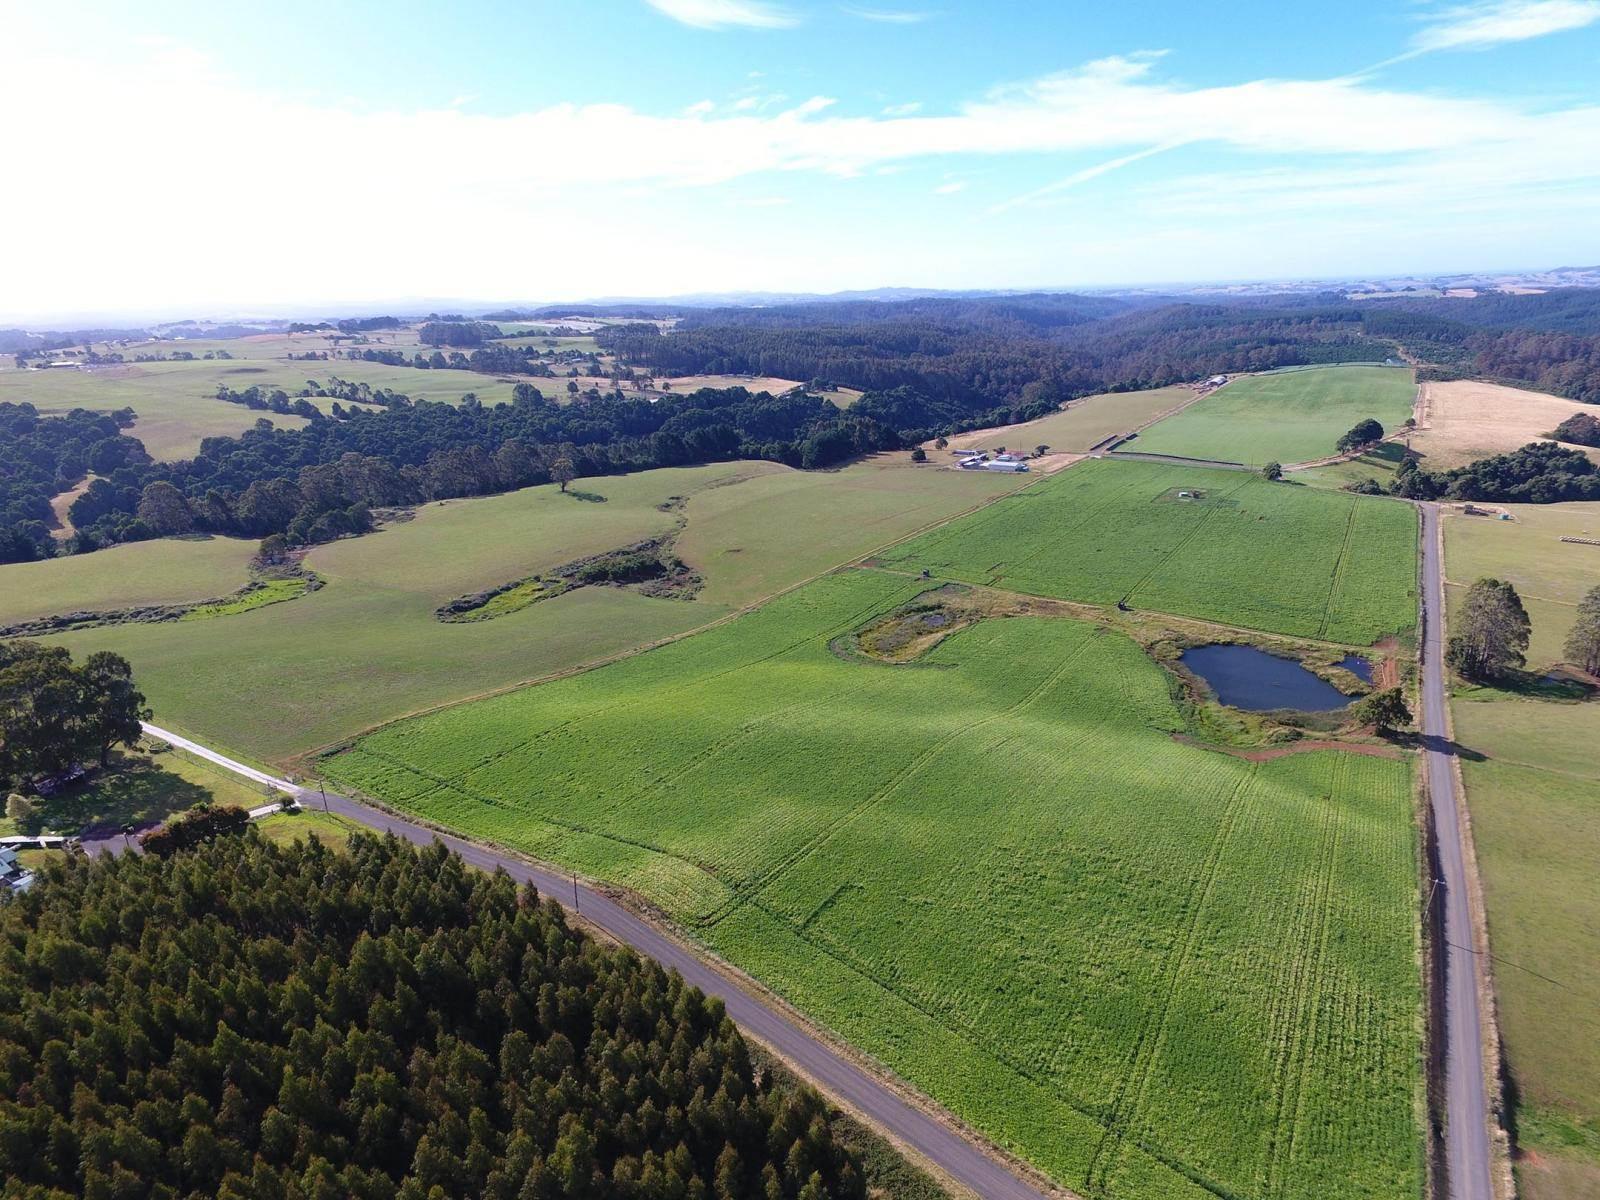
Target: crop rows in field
<point>1152,970</point>
<point>1268,556</point>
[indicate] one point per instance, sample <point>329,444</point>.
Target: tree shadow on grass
<point>590,497</point>
<point>132,791</point>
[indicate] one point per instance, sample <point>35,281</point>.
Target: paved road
<point>1466,1097</point>
<point>836,1075</point>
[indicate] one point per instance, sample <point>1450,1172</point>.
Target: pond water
<point>1357,666</point>
<point>1251,679</point>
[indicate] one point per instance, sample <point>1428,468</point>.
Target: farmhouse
<point>13,875</point>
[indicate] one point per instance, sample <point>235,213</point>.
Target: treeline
<point>1581,429</point>
<point>243,1020</point>
<point>1539,473</point>
<point>448,332</point>
<point>487,359</point>
<point>322,481</point>
<point>54,713</point>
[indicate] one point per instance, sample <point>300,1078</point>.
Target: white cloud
<point>726,14</point>
<point>1480,26</point>
<point>902,110</point>
<point>951,188</point>
<point>888,16</point>
<point>335,220</point>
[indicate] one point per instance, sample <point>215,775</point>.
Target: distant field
<point>1266,556</point>
<point>169,571</point>
<point>1536,826</point>
<point>1136,963</point>
<point>1293,416</point>
<point>752,383</point>
<point>1082,425</point>
<point>1551,575</point>
<point>1467,420</point>
<point>176,401</point>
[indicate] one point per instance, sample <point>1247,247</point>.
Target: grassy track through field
<point>994,870</point>
<point>1293,416</point>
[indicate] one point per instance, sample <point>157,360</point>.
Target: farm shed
<point>13,874</point>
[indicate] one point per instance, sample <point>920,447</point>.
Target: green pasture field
<point>281,680</point>
<point>1260,555</point>
<point>1152,970</point>
<point>333,832</point>
<point>1537,834</point>
<point>1549,574</point>
<point>133,575</point>
<point>1532,779</point>
<point>784,526</point>
<point>1083,424</point>
<point>1292,416</point>
<point>1378,464</point>
<point>284,679</point>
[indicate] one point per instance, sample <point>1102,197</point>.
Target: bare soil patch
<point>1304,746</point>
<point>1464,420</point>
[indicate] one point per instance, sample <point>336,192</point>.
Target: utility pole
<point>323,788</point>
<point>575,895</point>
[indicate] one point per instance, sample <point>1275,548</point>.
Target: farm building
<point>1002,464</point>
<point>13,875</point>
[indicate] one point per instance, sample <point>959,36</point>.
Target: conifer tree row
<point>248,1020</point>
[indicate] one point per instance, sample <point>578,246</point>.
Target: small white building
<point>1005,464</point>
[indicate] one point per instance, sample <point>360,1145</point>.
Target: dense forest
<point>1539,473</point>
<point>41,457</point>
<point>243,1020</point>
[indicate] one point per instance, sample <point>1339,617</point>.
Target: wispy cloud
<point>888,16</point>
<point>951,188</point>
<point>902,110</point>
<point>726,14</point>
<point>1358,141</point>
<point>1084,176</point>
<point>1481,26</point>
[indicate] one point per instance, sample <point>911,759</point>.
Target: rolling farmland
<point>1153,970</point>
<point>1290,416</point>
<point>168,571</point>
<point>1245,552</point>
<point>367,647</point>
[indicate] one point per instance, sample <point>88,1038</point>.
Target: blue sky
<point>193,156</point>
